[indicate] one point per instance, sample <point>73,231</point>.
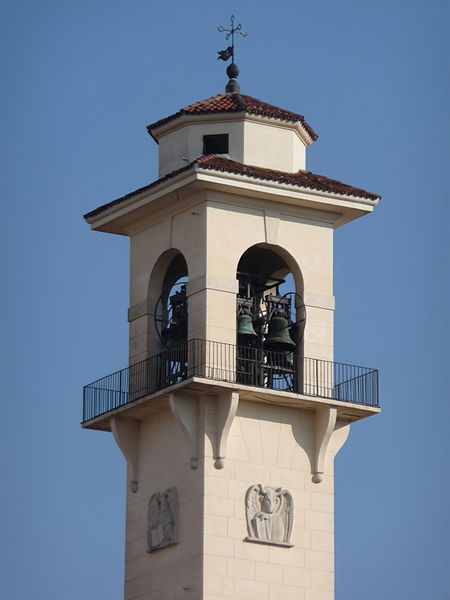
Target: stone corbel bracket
<point>185,410</point>
<point>126,434</point>
<point>227,404</point>
<point>325,423</point>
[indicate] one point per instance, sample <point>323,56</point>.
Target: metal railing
<point>233,364</point>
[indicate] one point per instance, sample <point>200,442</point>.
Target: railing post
<point>298,376</point>
<point>317,376</point>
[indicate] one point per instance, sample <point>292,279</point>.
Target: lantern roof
<point>234,103</point>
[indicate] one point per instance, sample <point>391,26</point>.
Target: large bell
<point>278,338</point>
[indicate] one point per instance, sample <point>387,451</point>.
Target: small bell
<point>245,330</point>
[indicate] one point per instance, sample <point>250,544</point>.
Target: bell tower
<point>232,408</point>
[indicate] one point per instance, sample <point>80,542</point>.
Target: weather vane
<point>232,69</point>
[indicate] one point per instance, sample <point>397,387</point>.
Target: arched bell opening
<point>168,322</point>
<point>271,319</point>
<point>168,303</point>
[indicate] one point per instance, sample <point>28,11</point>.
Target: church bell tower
<point>232,408</point>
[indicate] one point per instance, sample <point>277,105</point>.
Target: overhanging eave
<point>124,217</point>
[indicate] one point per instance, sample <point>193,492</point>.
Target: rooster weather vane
<point>232,69</point>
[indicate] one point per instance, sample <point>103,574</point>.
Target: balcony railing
<point>232,364</point>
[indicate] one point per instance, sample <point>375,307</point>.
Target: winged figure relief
<point>269,514</point>
<point>163,519</point>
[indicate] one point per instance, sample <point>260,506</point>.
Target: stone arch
<point>266,254</point>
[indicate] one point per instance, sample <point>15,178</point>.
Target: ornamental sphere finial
<point>232,70</point>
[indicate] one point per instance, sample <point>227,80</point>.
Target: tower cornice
<point>303,189</point>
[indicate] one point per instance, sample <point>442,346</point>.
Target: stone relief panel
<point>270,513</point>
<point>162,519</point>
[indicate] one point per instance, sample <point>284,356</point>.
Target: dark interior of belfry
<point>270,322</point>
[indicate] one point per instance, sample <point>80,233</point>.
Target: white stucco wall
<point>267,143</point>
<point>273,146</point>
<point>183,145</point>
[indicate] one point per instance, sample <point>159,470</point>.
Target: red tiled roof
<point>304,179</point>
<point>213,162</point>
<point>234,103</point>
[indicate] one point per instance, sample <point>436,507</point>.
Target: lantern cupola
<point>236,126</point>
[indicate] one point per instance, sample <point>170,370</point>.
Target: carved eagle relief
<point>269,513</point>
<point>162,519</point>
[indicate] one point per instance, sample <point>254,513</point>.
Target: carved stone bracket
<point>227,404</point>
<point>185,410</point>
<point>325,422</point>
<point>126,434</point>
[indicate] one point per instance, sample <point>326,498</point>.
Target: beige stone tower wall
<point>213,230</point>
<point>181,229</point>
<point>164,574</point>
<point>271,445</point>
<point>268,444</point>
<point>303,237</point>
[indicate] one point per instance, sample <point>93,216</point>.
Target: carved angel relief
<point>163,519</point>
<point>269,514</point>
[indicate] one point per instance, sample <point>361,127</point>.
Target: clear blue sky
<point>81,79</point>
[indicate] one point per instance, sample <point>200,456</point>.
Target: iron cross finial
<point>232,69</point>
<point>229,52</point>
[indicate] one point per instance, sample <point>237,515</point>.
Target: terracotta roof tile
<point>236,103</point>
<point>213,162</point>
<point>304,179</point>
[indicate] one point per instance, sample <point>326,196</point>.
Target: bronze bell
<point>245,329</point>
<point>278,338</point>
